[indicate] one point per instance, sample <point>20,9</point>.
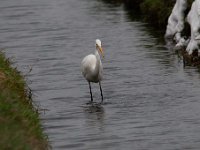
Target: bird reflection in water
<point>92,107</point>
<point>94,116</point>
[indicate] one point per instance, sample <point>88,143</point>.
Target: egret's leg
<point>90,92</point>
<point>101,91</point>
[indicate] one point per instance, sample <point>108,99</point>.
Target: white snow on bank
<point>193,19</point>
<point>176,20</point>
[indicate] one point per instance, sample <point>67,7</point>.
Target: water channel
<point>151,101</point>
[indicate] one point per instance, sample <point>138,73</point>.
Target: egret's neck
<point>97,55</point>
<point>98,60</point>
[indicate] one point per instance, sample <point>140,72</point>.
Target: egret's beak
<point>101,51</point>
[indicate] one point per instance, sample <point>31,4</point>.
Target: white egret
<point>92,69</point>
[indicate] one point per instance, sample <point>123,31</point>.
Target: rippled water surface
<point>151,101</point>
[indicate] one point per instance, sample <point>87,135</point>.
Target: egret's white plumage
<point>91,67</point>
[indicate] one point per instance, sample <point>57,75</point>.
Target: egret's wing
<point>88,64</point>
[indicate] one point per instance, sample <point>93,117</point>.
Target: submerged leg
<point>90,92</point>
<point>101,92</point>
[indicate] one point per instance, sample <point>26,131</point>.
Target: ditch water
<point>151,101</point>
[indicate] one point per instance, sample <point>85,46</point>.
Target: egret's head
<point>99,47</point>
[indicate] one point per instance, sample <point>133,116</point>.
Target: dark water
<point>151,101</point>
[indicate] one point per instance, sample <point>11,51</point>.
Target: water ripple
<point>151,101</point>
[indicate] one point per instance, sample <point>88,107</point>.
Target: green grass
<point>20,127</point>
<point>155,12</point>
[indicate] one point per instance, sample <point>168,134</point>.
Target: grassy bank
<point>155,12</point>
<point>20,126</point>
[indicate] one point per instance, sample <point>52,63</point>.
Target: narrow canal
<point>151,101</point>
